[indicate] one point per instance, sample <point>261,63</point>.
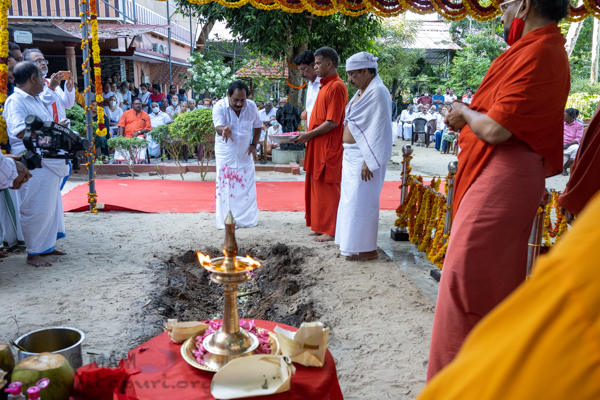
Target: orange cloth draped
<point>542,342</point>
<point>585,174</point>
<point>487,253</point>
<point>323,159</point>
<point>511,93</point>
<point>133,122</point>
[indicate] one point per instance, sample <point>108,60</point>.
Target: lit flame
<point>252,263</point>
<point>204,260</point>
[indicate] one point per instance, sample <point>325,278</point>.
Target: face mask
<point>144,90</point>
<point>174,103</point>
<point>426,94</point>
<point>155,110</point>
<point>516,29</point>
<point>273,123</point>
<point>113,103</point>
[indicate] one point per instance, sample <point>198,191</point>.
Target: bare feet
<point>324,238</point>
<point>3,253</point>
<point>55,253</point>
<point>365,256</point>
<point>38,261</point>
<point>314,234</point>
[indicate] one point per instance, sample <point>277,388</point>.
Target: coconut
<point>46,365</point>
<point>7,361</point>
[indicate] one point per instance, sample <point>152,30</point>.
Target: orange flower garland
<point>4,5</point>
<point>287,80</point>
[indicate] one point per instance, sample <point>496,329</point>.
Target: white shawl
<point>370,122</point>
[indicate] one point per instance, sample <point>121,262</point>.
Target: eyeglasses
<point>41,61</point>
<point>504,6</point>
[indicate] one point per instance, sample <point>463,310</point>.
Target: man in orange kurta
<point>324,151</point>
<point>134,122</point>
<point>543,341</point>
<point>508,146</point>
<point>585,173</point>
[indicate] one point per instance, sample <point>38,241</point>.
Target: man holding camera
<point>42,219</point>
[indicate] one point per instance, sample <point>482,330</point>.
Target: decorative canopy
<point>481,10</point>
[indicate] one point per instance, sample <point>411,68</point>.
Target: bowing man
<point>238,127</point>
<point>367,150</point>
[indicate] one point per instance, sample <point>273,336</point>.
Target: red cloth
<point>165,375</point>
<point>511,93</point>
<point>157,98</point>
<point>97,383</point>
<point>322,200</point>
<point>585,174</point>
<point>55,117</point>
<point>487,253</point>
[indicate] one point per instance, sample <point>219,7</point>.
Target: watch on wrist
<point>252,144</point>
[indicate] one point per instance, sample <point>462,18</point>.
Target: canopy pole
<point>88,103</point>
<point>169,38</point>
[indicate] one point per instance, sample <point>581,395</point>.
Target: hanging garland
<point>287,80</point>
<point>4,5</point>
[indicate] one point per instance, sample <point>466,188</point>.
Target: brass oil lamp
<point>230,341</point>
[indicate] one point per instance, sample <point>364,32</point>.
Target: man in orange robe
<point>508,146</point>
<point>543,341</point>
<point>585,173</point>
<point>324,150</point>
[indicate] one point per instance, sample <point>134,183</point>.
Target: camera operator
<point>42,219</point>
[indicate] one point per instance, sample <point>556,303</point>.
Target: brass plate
<point>189,345</point>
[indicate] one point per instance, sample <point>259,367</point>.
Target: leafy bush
<point>585,103</point>
<point>584,86</point>
<point>196,128</point>
<point>77,116</point>
<point>130,148</point>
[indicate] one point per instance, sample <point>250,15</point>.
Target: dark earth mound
<point>276,291</point>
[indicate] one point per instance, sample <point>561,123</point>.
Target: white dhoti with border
<point>407,131</point>
<point>236,192</point>
<point>10,206</point>
<point>358,213</point>
<point>42,217</point>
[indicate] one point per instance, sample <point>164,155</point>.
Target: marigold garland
<point>4,6</point>
<point>287,80</point>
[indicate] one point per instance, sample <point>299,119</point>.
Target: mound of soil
<point>276,292</point>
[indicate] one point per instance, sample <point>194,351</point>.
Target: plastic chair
<point>419,128</point>
<point>431,127</point>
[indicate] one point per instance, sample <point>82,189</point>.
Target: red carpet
<point>153,196</point>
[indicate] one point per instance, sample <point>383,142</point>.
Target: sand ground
<point>380,319</point>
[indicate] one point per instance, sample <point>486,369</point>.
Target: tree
<point>469,66</point>
<point>396,62</point>
<point>210,77</point>
<point>279,35</point>
<point>197,129</point>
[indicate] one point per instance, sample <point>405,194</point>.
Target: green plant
<point>583,85</point>
<point>77,116</point>
<point>585,103</point>
<point>130,148</point>
<point>196,128</point>
<point>208,76</point>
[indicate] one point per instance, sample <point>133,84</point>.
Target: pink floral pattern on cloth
<point>248,324</point>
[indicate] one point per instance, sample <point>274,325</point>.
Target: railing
<point>146,16</point>
<point>425,216</point>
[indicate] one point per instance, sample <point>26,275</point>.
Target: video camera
<point>50,137</point>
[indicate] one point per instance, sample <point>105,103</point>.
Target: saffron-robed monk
<point>509,146</point>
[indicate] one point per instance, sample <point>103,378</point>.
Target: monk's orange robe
<point>543,341</point>
<point>499,188</point>
<point>323,159</point>
<point>585,174</point>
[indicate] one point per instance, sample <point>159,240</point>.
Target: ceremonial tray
<point>189,345</point>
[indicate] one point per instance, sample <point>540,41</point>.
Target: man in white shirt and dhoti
<point>238,125</point>
<point>367,150</point>
<point>42,219</point>
<point>406,117</point>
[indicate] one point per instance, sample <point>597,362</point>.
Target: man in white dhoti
<point>157,118</point>
<point>13,174</point>
<point>406,117</point>
<point>367,150</point>
<point>238,127</point>
<point>42,220</point>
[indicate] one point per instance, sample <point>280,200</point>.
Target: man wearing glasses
<point>53,96</point>
<point>508,147</point>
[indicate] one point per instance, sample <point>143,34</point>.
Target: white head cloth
<point>361,60</point>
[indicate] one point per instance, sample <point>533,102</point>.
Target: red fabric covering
<point>162,196</point>
<point>322,201</point>
<point>165,375</point>
<point>96,383</point>
<point>514,87</point>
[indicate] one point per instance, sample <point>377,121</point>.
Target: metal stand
<point>88,102</point>
<point>400,234</point>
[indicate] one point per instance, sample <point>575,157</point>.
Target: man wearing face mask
<point>174,107</point>
<point>509,145</point>
<point>238,125</point>
<point>426,99</point>
<point>157,118</point>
